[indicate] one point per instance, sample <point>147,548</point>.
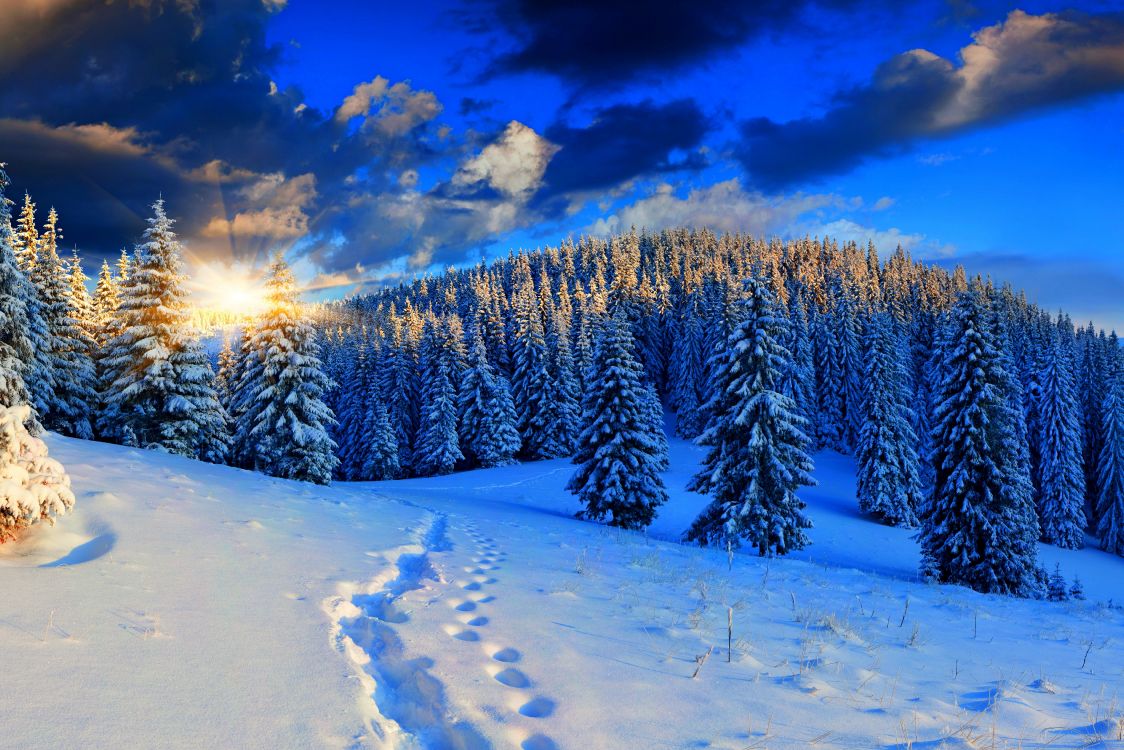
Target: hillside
<point>208,606</point>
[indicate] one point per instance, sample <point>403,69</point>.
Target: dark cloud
<point>624,141</point>
<point>604,42</point>
<point>1024,64</point>
<point>109,103</point>
<point>473,106</point>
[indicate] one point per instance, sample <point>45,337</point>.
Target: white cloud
<point>883,203</point>
<point>514,164</point>
<point>723,207</point>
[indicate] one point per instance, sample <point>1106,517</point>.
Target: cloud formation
<point>723,207</point>
<point>1023,64</point>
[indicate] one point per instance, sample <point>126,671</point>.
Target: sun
<point>230,291</point>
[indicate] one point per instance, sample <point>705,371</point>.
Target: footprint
<point>537,708</point>
<point>507,655</point>
<point>466,606</point>
<point>539,742</point>
<point>513,678</point>
<point>486,600</point>
<point>477,622</point>
<point>467,635</point>
<point>474,586</point>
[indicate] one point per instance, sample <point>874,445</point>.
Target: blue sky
<point>371,141</point>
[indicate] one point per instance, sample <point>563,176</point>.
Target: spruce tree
<point>757,459</point>
<point>161,392</point>
<point>531,373</point>
<point>487,414</point>
<point>380,460</point>
<point>974,531</point>
<point>70,403</point>
<point>288,420</point>
<point>225,377</point>
<point>888,483</point>
<point>1061,504</point>
<point>689,376</point>
<point>1110,470</point>
<point>16,344</point>
<point>438,447</point>
<point>617,476</point>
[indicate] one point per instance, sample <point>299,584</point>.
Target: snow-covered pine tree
<point>847,331</point>
<point>1110,469</point>
<point>974,531</point>
<point>349,435</point>
<point>689,375</point>
<point>161,391</point>
<point>26,241</point>
<point>1091,389</point>
<point>757,459</point>
<point>107,298</point>
<point>244,408</point>
<point>562,411</point>
<point>1057,590</point>
<point>438,447</point>
<point>17,355</point>
<point>40,376</point>
<point>71,403</point>
<point>81,303</point>
<point>400,380</point>
<point>831,425</point>
<point>225,376</point>
<point>888,484</point>
<point>655,426</point>
<point>34,488</point>
<point>381,457</point>
<point>530,381</point>
<point>798,381</point>
<point>617,476</point>
<point>1061,499</point>
<point>488,436</point>
<point>289,420</point>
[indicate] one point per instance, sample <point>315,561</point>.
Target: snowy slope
<point>202,606</point>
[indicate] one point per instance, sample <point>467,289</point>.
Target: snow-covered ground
<point>187,605</point>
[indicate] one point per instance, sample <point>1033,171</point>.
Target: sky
<point>373,141</point>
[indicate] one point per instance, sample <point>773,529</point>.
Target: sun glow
<point>225,293</point>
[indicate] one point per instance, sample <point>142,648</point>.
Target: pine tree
<point>225,377</point>
<point>1110,470</point>
<point>289,420</point>
<point>438,448</point>
<point>757,458</point>
<point>161,391</point>
<point>888,483</point>
<point>530,381</point>
<point>1056,590</point>
<point>1077,590</point>
<point>974,530</point>
<point>107,298</point>
<point>1061,496</point>
<point>831,431</point>
<point>17,354</point>
<point>617,476</point>
<point>381,457</point>
<point>70,403</point>
<point>26,243</point>
<point>487,414</point>
<point>689,376</point>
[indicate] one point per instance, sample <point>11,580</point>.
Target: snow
<point>183,604</point>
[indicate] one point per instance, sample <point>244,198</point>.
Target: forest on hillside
<point>974,415</point>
